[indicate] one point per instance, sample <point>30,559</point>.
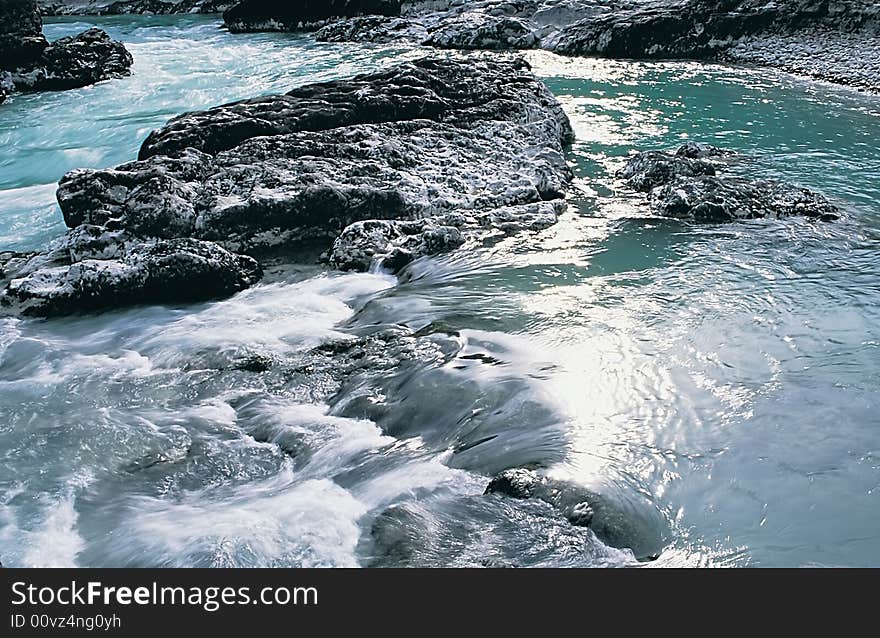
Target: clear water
<point>730,374</point>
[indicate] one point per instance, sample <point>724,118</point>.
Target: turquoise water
<point>729,375</point>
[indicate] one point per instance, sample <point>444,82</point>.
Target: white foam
<point>275,522</point>
<point>282,317</point>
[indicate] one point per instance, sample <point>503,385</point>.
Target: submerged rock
<point>379,169</point>
<point>685,185</point>
<point>636,526</point>
<point>28,62</point>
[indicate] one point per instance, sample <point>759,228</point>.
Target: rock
<point>715,200</point>
<point>266,15</point>
<point>391,244</point>
<point>378,29</point>
<point>163,271</point>
<point>29,63</point>
<point>653,168</point>
<point>685,185</point>
<point>418,142</point>
<point>832,40</point>
<point>635,524</point>
<point>701,29</point>
<point>379,169</point>
<point>80,60</point>
<point>21,35</point>
<point>124,7</point>
<point>482,31</point>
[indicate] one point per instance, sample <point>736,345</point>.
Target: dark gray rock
<point>702,29</point>
<point>378,29</point>
<point>474,30</point>
<point>29,63</point>
<point>76,61</point>
<point>392,166</point>
<point>21,35</point>
<point>636,525</point>
<point>134,272</point>
<point>653,168</point>
<point>686,185</point>
<point>716,200</point>
<point>125,7</point>
<point>266,15</point>
<point>472,136</point>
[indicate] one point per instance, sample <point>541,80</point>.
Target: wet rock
<point>21,35</point>
<point>482,31</point>
<point>653,168</point>
<point>390,244</point>
<point>716,200</point>
<point>378,29</point>
<point>163,271</point>
<point>77,61</point>
<point>457,91</point>
<point>255,363</point>
<point>380,169</point>
<point>638,526</point>
<point>686,185</point>
<point>701,29</point>
<point>29,63</point>
<point>266,15</point>
<point>470,138</point>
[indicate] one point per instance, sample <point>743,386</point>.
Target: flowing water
<point>726,377</point>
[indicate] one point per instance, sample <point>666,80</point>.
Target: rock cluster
<point>267,15</point>
<point>28,62</point>
<point>686,185</point>
<point>379,170</point>
<point>122,7</point>
<point>821,38</point>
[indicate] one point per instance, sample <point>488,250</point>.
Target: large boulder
<point>422,140</point>
<point>377,170</point>
<point>29,63</point>
<point>21,34</point>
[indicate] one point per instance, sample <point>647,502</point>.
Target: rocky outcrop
<point>686,185</point>
<point>836,40</point>
<point>266,15</point>
<point>636,526</point>
<point>28,62</point>
<point>124,7</point>
<point>702,29</point>
<point>378,170</point>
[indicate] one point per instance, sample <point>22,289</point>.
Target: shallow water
<point>726,377</point>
